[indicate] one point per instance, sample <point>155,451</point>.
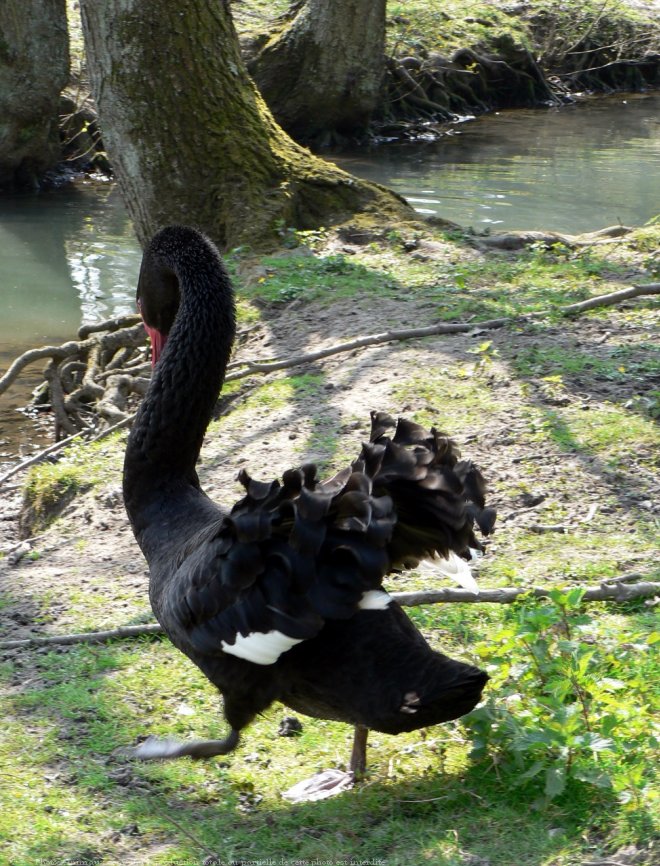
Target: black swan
<point>281,597</point>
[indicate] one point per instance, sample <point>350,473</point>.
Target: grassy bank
<point>563,37</point>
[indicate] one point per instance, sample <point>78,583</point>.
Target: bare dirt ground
<point>90,549</point>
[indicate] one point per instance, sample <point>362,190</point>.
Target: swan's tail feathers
<point>155,749</point>
<point>455,568</point>
<point>438,498</point>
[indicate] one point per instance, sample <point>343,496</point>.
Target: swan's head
<point>158,297</point>
<point>178,261</point>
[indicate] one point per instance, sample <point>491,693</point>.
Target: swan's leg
<point>155,749</point>
<point>358,763</point>
<point>238,716</point>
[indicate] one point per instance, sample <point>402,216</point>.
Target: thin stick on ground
<point>58,446</point>
<point>612,299</point>
<point>617,590</point>
<point>368,340</point>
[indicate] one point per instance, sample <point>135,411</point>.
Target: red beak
<point>157,338</point>
<point>158,341</point>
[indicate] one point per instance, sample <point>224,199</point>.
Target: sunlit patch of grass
<point>421,794</point>
<point>445,24</point>
<point>490,288</point>
<point>532,282</point>
<point>309,278</point>
<point>102,600</point>
<point>536,280</point>
<point>49,486</point>
<point>619,364</point>
<point>647,237</point>
<point>581,555</point>
<point>449,400</point>
<point>609,431</point>
<point>278,393</point>
<point>246,313</point>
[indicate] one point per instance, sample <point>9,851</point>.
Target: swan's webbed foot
<point>155,749</point>
<point>329,783</point>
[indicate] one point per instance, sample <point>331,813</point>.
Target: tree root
<point>619,589</point>
<point>88,382</point>
<point>469,81</point>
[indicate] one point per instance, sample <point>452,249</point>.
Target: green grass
<point>537,280</point>
<point>453,398</point>
<point>309,278</point>
<point>619,364</point>
<point>546,27</point>
<point>613,433</point>
<point>49,486</point>
<point>73,799</point>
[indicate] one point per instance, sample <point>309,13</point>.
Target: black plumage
<point>281,597</point>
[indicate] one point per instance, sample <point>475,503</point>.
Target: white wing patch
<point>374,599</point>
<point>260,647</point>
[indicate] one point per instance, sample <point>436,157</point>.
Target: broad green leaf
<point>555,781</point>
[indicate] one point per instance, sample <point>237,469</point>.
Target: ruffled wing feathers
<point>295,552</point>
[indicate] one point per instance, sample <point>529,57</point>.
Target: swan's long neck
<point>167,434</point>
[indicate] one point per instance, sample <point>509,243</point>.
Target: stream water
<point>69,256</point>
<point>571,169</point>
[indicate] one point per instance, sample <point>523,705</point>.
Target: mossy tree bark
<point>34,67</point>
<point>323,72</point>
<point>191,139</point>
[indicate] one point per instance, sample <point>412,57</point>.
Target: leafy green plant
<point>485,353</point>
<point>560,710</point>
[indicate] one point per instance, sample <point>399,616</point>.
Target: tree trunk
<point>324,71</point>
<point>191,139</point>
<point>34,68</point>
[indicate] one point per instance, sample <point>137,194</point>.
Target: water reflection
<point>67,257</point>
<point>572,169</point>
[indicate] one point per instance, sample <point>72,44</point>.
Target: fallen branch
<point>250,367</point>
<point>611,299</point>
<point>369,340</point>
<point>617,589</point>
<point>58,446</point>
<point>607,591</point>
<point>123,631</point>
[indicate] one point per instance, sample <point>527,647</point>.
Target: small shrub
<point>565,703</point>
